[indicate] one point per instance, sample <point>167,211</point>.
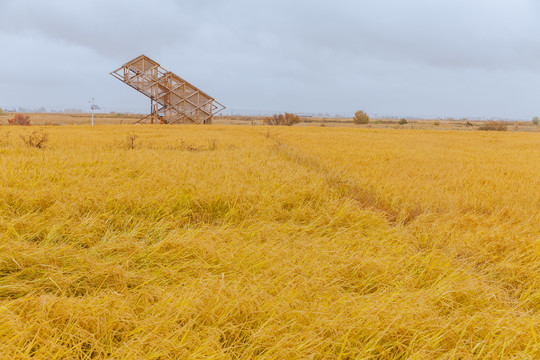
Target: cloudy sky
<point>428,58</point>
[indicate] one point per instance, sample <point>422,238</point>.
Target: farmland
<point>226,242</point>
<point>48,119</point>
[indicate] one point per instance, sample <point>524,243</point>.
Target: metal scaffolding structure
<point>173,100</point>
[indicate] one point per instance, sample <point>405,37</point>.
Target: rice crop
<point>239,242</point>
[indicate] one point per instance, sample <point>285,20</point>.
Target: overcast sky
<point>428,58</point>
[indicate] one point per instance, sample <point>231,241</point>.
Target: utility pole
<point>92,108</point>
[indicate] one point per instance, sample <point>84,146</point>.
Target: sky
<point>414,58</point>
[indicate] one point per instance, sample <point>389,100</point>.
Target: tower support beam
<point>172,99</point>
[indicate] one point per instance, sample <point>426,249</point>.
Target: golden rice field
<point>241,242</point>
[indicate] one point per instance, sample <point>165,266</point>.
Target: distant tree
<point>403,122</point>
<point>535,120</point>
<point>286,119</point>
<point>360,117</point>
<point>1,111</point>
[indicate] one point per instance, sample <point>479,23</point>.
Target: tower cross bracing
<point>172,99</point>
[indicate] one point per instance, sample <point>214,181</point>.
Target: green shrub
<point>403,122</point>
<point>535,120</point>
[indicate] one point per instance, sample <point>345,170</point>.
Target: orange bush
<point>19,119</point>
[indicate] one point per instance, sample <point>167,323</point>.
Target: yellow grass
<point>230,242</point>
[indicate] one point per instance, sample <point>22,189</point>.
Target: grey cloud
<point>387,56</point>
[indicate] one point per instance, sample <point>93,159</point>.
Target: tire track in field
<point>368,200</point>
<point>363,197</point>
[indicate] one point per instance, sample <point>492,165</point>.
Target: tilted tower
<point>173,99</point>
